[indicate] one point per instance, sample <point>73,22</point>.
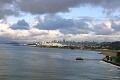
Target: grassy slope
<point>108,52</point>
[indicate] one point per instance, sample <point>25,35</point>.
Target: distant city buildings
<point>77,45</point>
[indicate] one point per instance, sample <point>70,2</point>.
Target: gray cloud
<point>6,1</point>
<point>66,26</point>
<point>52,22</point>
<point>116,26</point>
<point>80,27</point>
<point>54,6</point>
<point>47,6</point>
<point>55,22</point>
<point>7,9</point>
<point>81,24</point>
<point>7,12</point>
<point>21,24</point>
<point>74,31</point>
<point>102,29</point>
<point>12,7</point>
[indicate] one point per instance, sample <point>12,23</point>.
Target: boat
<point>79,58</point>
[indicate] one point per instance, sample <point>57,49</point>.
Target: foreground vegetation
<point>112,56</point>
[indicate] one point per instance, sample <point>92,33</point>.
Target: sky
<point>48,20</point>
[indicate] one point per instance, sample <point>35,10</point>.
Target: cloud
<point>7,12</point>
<point>52,22</point>
<point>14,7</point>
<point>102,29</point>
<point>81,24</point>
<point>66,26</point>
<point>54,6</point>
<point>46,6</point>
<point>80,27</point>
<point>37,32</point>
<point>75,33</point>
<point>115,26</point>
<point>21,24</point>
<point>7,9</point>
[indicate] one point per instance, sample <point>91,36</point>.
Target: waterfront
<point>35,63</point>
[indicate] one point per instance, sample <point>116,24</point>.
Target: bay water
<point>35,63</point>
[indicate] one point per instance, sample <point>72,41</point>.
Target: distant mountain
<point>12,43</point>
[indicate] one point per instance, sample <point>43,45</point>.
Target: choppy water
<point>34,63</point>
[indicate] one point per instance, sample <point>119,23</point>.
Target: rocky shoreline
<point>111,62</point>
<point>114,59</point>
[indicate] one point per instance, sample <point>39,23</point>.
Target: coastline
<point>111,62</point>
<point>111,54</point>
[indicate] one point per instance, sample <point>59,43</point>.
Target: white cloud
<point>81,31</point>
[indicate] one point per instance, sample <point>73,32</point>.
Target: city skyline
<point>48,20</point>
